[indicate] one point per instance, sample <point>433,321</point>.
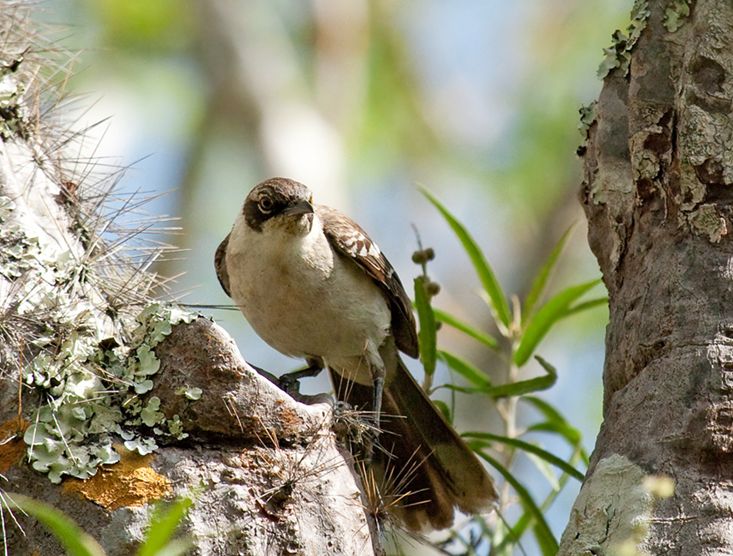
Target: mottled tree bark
<point>657,192</point>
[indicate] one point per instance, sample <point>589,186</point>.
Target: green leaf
<point>541,322</point>
<point>546,470</point>
<point>584,306</point>
<point>163,525</point>
<point>498,535</point>
<point>486,339</point>
<point>552,459</point>
<point>462,389</point>
<point>428,330</point>
<point>550,413</point>
<point>570,434</point>
<point>444,409</point>
<point>528,386</point>
<point>545,538</point>
<point>526,519</point>
<point>176,547</point>
<point>466,370</point>
<point>486,275</point>
<point>540,281</point>
<point>556,424</point>
<point>74,540</point>
<point>484,385</point>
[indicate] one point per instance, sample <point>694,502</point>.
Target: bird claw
<point>290,382</point>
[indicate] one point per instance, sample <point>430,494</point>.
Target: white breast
<point>301,297</point>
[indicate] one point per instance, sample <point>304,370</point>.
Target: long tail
<point>430,467</point>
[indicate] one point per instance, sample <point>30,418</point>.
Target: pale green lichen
<point>18,252</point>
<point>89,383</point>
<point>705,220</point>
<point>612,513</point>
<point>675,14</point>
<point>190,393</point>
<point>587,117</point>
<point>618,55</point>
<point>92,398</point>
<point>13,114</point>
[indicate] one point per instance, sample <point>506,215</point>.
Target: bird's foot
<point>262,372</point>
<point>356,429</point>
<point>290,382</point>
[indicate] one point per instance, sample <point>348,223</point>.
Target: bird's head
<point>280,204</point>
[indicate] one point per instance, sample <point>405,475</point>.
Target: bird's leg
<point>289,382</point>
<point>269,376</point>
<point>378,378</point>
<point>378,372</point>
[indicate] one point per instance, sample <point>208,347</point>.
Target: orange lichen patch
<point>12,447</point>
<point>130,482</point>
<point>289,418</point>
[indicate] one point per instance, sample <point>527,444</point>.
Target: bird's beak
<point>301,207</point>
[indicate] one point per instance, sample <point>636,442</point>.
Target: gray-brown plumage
<point>349,239</point>
<point>313,284</point>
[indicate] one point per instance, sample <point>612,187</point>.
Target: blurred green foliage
<point>158,540</point>
<point>144,27</point>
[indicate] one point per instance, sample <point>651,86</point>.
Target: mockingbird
<point>312,284</point>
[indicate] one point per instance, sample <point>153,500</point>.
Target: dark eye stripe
<point>279,192</point>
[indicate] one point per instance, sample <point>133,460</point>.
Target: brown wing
<point>221,266</point>
<point>349,239</point>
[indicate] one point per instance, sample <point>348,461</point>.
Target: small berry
<point>432,288</point>
<point>418,257</point>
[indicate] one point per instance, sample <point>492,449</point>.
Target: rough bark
<point>79,368</point>
<point>657,192</point>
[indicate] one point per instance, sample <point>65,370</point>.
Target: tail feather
<point>433,470</point>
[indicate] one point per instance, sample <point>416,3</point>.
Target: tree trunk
<point>657,193</point>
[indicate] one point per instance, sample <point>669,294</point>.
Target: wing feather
<point>351,241</point>
<point>220,265</point>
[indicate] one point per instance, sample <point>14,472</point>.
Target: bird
<point>313,285</point>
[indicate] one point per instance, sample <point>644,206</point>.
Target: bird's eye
<point>265,204</point>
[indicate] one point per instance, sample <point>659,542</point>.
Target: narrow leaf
<point>546,409</point>
<point>428,331</point>
<point>549,314</point>
<point>462,389</point>
<point>485,273</point>
<point>526,519</point>
<point>568,433</point>
<point>585,305</point>
<point>545,538</point>
<point>540,281</point>
<point>522,387</point>
<point>466,370</point>
<point>499,537</point>
<point>530,448</point>
<point>545,470</point>
<point>444,409</point>
<point>176,547</point>
<point>74,540</point>
<point>556,424</point>
<point>486,339</point>
<point>528,386</point>
<point>163,525</point>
